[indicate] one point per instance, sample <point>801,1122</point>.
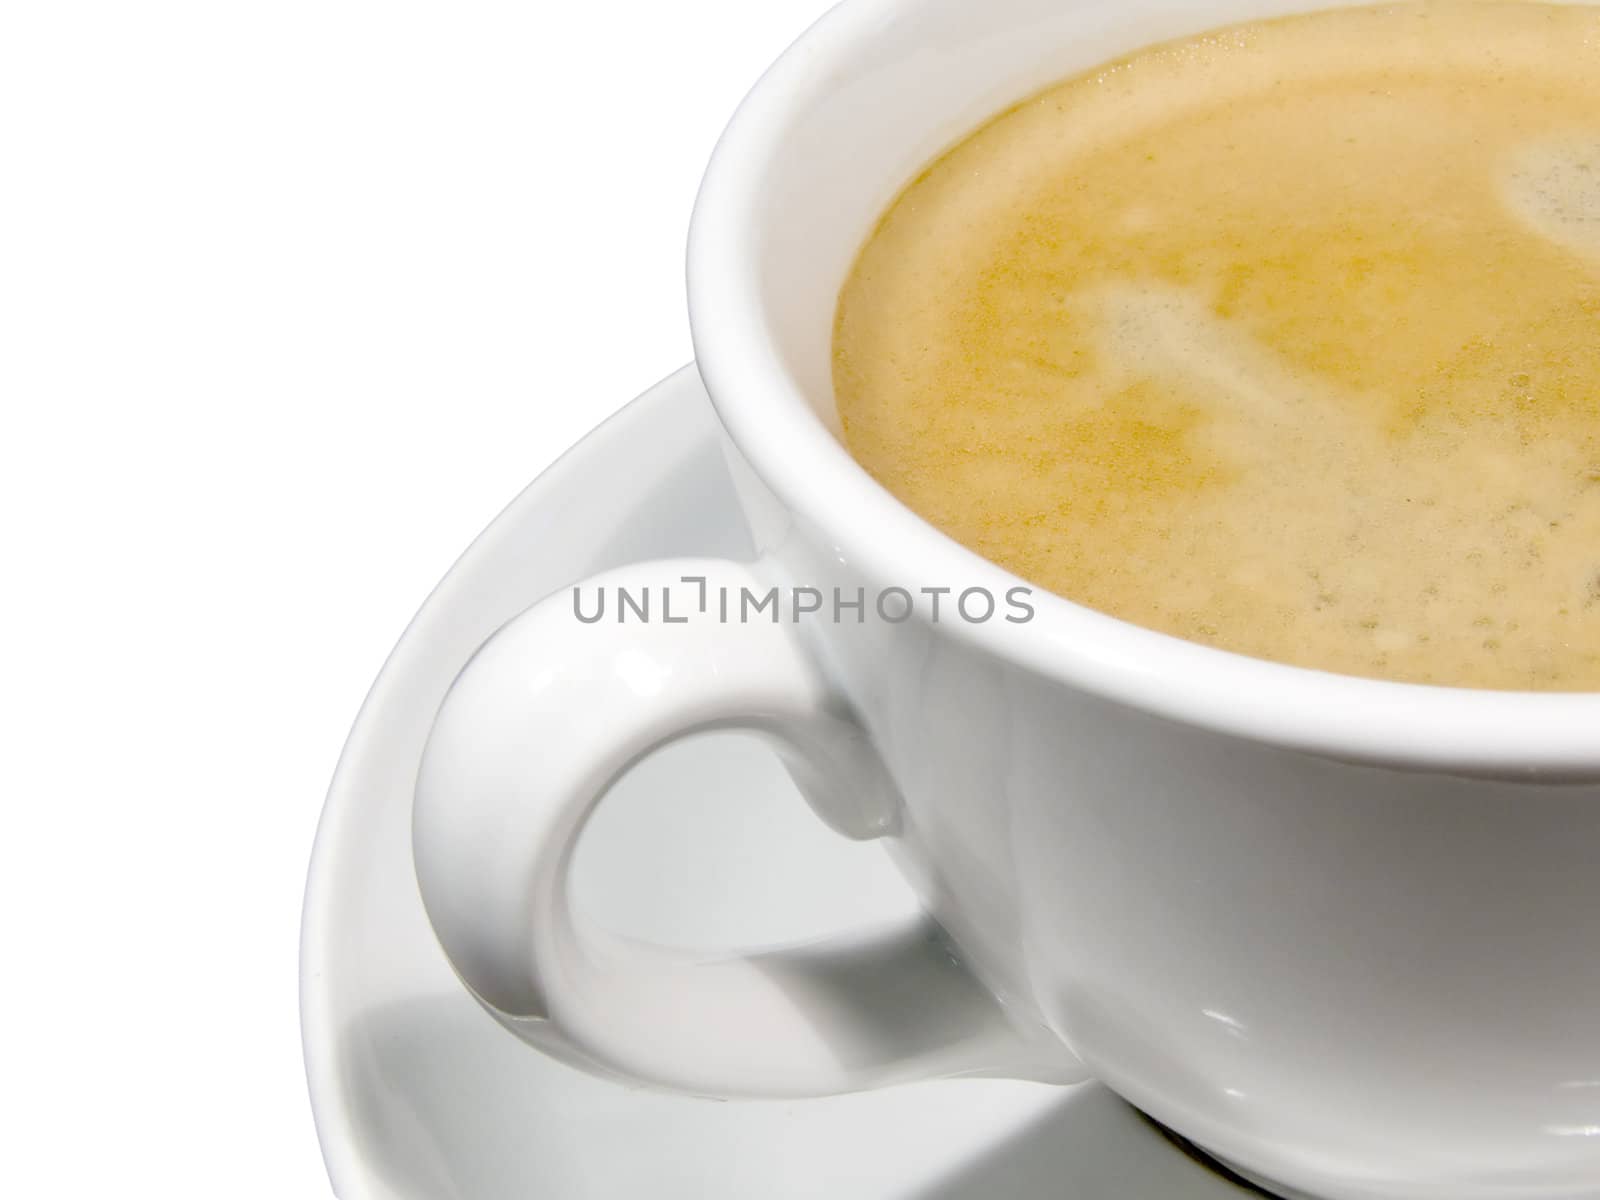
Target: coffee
<point>1285,339</point>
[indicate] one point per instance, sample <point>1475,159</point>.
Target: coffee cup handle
<point>540,723</point>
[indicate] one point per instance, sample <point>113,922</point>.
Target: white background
<point>294,296</point>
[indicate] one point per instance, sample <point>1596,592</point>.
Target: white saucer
<point>419,1094</point>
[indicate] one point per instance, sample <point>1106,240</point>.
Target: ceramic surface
<point>420,1095</point>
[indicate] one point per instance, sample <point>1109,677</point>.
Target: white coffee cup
<point>1344,934</point>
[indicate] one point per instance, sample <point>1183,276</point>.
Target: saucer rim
<point>330,1109</point>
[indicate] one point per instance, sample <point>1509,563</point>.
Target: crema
<point>1285,339</point>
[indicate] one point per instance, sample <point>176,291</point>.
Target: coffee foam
<point>1157,329</point>
<point>1554,188</point>
<point>1280,340</point>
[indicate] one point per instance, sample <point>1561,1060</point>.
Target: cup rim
<point>765,412</point>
